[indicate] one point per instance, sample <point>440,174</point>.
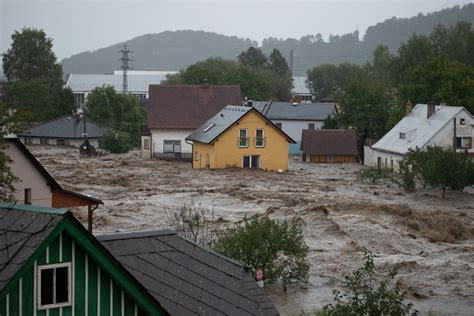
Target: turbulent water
<point>430,239</point>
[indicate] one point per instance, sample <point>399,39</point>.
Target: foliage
<point>35,78</point>
<point>277,248</point>
<point>440,167</point>
<point>254,83</point>
<point>253,58</point>
<point>407,176</point>
<point>374,174</point>
<point>116,142</point>
<point>365,295</point>
<point>31,57</point>
<point>122,115</point>
<point>330,122</point>
<point>193,222</point>
<point>281,76</point>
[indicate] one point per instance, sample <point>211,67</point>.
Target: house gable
<point>98,282</point>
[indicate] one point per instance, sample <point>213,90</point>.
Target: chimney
<point>408,107</point>
<point>430,109</point>
<point>206,84</point>
<point>443,102</point>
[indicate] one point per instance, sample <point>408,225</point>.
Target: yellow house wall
<point>225,151</point>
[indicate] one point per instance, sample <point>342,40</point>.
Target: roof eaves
<point>34,208</point>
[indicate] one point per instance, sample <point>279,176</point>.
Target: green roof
<point>34,208</point>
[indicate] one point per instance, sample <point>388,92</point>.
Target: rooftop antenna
<point>125,67</point>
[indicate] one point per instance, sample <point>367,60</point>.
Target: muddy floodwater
<point>430,239</point>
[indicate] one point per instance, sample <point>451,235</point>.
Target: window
<point>28,196</point>
<point>403,135</point>
<point>171,146</point>
<point>278,125</point>
<point>146,143</point>
<point>28,141</point>
<point>391,164</point>
<point>44,141</point>
<point>259,138</point>
<point>463,142</point>
<point>79,98</point>
<point>462,121</point>
<point>54,285</point>
<point>386,162</point>
<point>310,125</point>
<point>243,139</point>
<point>251,162</point>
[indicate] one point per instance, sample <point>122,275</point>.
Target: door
<point>208,161</point>
<point>246,162</point>
<point>379,162</point>
<point>255,162</point>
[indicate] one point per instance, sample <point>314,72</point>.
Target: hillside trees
<point>35,83</point>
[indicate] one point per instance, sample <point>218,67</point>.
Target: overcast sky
<point>76,26</point>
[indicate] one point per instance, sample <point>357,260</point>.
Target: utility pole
<point>125,59</point>
<point>291,62</point>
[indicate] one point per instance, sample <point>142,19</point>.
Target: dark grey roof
<point>296,111</point>
<point>22,230</point>
<point>64,127</point>
<point>186,278</point>
<point>217,124</point>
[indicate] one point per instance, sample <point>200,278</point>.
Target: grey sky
<point>76,26</point>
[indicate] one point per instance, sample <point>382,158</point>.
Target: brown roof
<point>329,142</point>
<point>188,106</point>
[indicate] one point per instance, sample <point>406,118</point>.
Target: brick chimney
<point>443,102</point>
<point>430,109</point>
<point>408,107</point>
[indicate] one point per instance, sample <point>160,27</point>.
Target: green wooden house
<point>50,265</point>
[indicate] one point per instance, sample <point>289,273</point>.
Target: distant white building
<point>425,125</point>
<point>300,90</point>
<point>138,83</point>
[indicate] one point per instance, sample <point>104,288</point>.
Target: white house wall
<point>159,135</point>
<point>29,177</point>
<point>294,128</point>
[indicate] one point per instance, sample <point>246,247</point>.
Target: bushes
<point>116,142</point>
<point>277,248</point>
<point>374,174</point>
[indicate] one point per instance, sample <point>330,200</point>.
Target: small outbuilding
<point>329,145</point>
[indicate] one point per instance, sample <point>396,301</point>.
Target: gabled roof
<point>225,119</point>
<point>296,111</point>
<point>65,127</point>
<point>136,82</point>
<point>329,142</point>
<point>188,106</point>
<point>46,175</point>
<point>26,231</point>
<point>187,278</point>
<point>418,129</point>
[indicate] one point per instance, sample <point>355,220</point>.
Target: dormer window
<point>402,135</point>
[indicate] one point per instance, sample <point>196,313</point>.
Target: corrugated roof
<point>299,85</point>
<point>329,142</point>
<point>417,129</point>
<point>188,106</point>
<point>186,278</point>
<point>65,127</point>
<point>293,111</point>
<point>136,82</point>
<point>22,230</point>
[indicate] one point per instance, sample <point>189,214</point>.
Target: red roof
<point>188,106</point>
<point>329,142</point>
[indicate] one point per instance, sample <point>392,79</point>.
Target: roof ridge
<point>34,208</point>
<point>135,235</point>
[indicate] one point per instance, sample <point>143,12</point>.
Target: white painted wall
<point>294,129</point>
<point>29,177</point>
<point>159,135</point>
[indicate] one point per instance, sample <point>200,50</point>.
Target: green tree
<point>278,65</point>
<point>281,79</point>
<point>330,122</point>
<point>368,294</point>
<point>277,248</point>
<point>122,115</point>
<point>254,83</point>
<point>35,78</point>
<point>440,78</point>
<point>253,57</point>
<point>31,57</point>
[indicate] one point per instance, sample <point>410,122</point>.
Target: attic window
<point>402,135</point>
<point>462,121</point>
<point>209,127</point>
<point>54,285</point>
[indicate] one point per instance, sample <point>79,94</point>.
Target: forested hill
<point>176,50</point>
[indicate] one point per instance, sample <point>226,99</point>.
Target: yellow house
<point>240,136</point>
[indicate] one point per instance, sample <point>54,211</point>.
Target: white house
<point>175,111</point>
<point>425,125</point>
<point>138,82</point>
<point>293,118</point>
<point>300,90</point>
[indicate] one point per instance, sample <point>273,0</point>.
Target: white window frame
<point>462,121</point>
<point>465,142</point>
<point>263,138</point>
<point>173,145</point>
<point>38,285</point>
<point>246,138</point>
<point>146,143</point>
